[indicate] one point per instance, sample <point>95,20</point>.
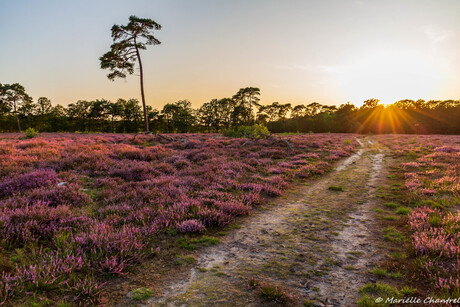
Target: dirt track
<point>315,242</point>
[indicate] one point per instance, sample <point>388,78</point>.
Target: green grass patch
<point>393,235</point>
<point>185,260</point>
<point>371,291</point>
<point>335,188</point>
<point>142,294</point>
<point>395,275</point>
<point>384,273</point>
<point>435,220</point>
<point>399,256</point>
<point>391,205</point>
<point>191,244</point>
<point>430,203</point>
<point>403,211</point>
<point>379,272</point>
<point>406,291</point>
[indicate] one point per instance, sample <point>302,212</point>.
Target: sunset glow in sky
<point>296,52</point>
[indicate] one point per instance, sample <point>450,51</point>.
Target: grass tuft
<point>403,211</point>
<point>142,294</point>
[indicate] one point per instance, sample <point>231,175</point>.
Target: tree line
<point>19,111</point>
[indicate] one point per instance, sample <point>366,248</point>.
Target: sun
<point>391,76</point>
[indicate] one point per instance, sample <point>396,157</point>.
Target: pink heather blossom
<point>428,192</point>
<point>191,226</point>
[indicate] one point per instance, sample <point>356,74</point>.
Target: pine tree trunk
<point>146,122</point>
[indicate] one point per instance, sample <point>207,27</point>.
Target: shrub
<point>30,133</point>
<point>246,131</point>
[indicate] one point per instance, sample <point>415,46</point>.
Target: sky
<point>298,52</point>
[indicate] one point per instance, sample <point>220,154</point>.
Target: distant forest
<point>18,111</point>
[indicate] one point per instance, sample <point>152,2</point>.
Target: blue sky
<point>330,51</point>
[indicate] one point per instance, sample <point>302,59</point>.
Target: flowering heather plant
<point>87,291</point>
<point>51,270</point>
<point>37,222</point>
<point>92,203</point>
<point>191,226</point>
<point>24,182</point>
<point>9,286</point>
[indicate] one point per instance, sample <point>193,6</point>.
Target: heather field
<point>431,170</point>
<point>202,219</point>
<point>168,158</point>
<point>78,210</point>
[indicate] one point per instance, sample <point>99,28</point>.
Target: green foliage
<point>254,131</point>
<point>191,244</point>
<point>371,291</point>
<point>403,210</point>
<point>379,272</point>
<point>398,256</point>
<point>384,273</point>
<point>406,290</point>
<point>435,220</point>
<point>391,205</point>
<point>431,203</point>
<point>142,294</point>
<point>393,235</point>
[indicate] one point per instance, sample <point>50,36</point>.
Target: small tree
<point>125,51</point>
<point>14,94</point>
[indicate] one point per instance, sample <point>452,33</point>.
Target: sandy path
<point>315,242</point>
